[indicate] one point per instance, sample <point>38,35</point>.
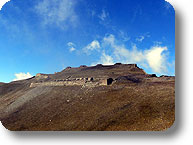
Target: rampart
<point>90,82</point>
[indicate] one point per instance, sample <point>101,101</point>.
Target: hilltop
<point>114,97</point>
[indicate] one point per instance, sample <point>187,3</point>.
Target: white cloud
<point>22,76</point>
<point>106,59</point>
<point>153,58</point>
<point>124,55</point>
<point>109,39</point>
<point>94,45</point>
<point>3,2</point>
<point>140,38</point>
<point>71,46</point>
<point>156,59</point>
<point>103,15</point>
<point>72,49</point>
<point>124,36</point>
<point>57,12</point>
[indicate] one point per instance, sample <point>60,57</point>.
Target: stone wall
<point>58,83</point>
<point>77,81</point>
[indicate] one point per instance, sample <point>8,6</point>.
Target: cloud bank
<point>157,59</point>
<point>104,59</point>
<point>22,76</point>
<point>153,58</point>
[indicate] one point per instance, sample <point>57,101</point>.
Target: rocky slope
<point>133,101</point>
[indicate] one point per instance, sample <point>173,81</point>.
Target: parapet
<point>90,82</point>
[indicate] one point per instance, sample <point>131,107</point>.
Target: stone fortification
<point>75,81</point>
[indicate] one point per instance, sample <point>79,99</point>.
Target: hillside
<point>1,83</point>
<point>117,97</point>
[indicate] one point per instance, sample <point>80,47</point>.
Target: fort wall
<point>90,82</point>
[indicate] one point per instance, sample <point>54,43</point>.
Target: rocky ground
<point>134,101</point>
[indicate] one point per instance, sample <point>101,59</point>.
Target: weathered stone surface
<point>75,81</point>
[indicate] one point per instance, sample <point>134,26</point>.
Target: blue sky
<point>45,36</point>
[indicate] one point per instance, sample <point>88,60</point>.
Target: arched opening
<point>109,81</point>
